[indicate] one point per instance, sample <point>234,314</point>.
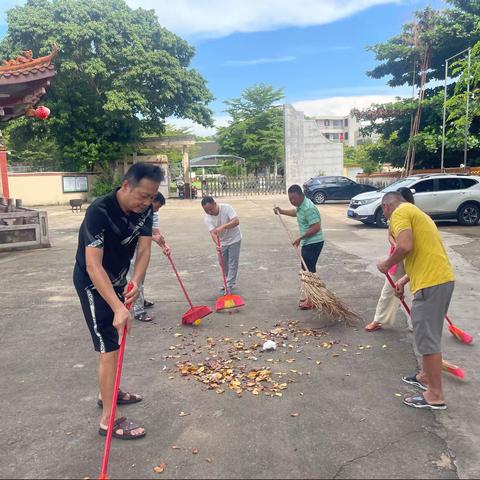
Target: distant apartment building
<point>344,129</point>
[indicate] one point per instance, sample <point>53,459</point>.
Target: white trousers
<point>388,303</point>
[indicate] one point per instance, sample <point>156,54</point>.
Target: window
<point>327,123</point>
<point>457,183</point>
<point>337,124</point>
<point>468,182</point>
<point>423,186</point>
<point>345,122</point>
<point>450,184</point>
<point>345,135</point>
<point>75,184</point>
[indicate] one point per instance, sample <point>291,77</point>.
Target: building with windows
<point>344,129</point>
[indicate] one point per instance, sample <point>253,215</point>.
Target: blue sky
<point>314,49</point>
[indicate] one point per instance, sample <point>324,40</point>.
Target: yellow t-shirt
<point>427,264</point>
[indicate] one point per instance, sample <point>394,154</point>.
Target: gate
<point>237,186</point>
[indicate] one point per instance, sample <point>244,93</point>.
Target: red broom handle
<point>180,281</point>
<point>108,440</point>
<point>222,265</point>
<point>392,283</point>
<point>405,306</point>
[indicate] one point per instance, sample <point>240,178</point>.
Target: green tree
<point>256,130</point>
<point>442,34</point>
<point>120,74</point>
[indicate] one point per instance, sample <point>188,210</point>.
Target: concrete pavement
<point>351,422</point>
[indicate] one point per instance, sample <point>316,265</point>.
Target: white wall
<point>307,152</point>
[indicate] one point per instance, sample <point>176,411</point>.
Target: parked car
<point>442,196</point>
<point>321,189</point>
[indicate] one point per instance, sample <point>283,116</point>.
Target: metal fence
<point>232,186</point>
<point>31,169</point>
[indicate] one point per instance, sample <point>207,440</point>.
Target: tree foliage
<point>444,34</point>
<point>120,74</point>
<point>256,130</point>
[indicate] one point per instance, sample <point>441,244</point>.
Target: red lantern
<point>42,112</point>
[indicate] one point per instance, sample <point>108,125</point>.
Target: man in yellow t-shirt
<point>420,247</point>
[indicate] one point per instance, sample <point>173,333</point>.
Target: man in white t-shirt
<point>141,304</point>
<point>222,222</point>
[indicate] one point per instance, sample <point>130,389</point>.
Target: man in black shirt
<point>114,226</point>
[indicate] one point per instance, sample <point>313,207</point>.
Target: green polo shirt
<point>308,215</point>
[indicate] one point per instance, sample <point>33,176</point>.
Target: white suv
<point>442,196</point>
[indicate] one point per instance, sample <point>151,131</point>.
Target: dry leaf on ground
<point>160,468</point>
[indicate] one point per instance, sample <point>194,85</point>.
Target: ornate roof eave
<point>23,82</point>
<point>26,65</point>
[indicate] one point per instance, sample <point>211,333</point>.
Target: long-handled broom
<point>322,299</point>
<point>229,300</point>
<point>196,312</point>
<point>458,333</point>
<point>106,452</point>
<point>453,369</point>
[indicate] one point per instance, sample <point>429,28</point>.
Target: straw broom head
<point>323,300</point>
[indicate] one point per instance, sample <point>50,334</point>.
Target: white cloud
<point>218,18</point>
<point>339,105</point>
<point>196,129</point>
<point>258,61</point>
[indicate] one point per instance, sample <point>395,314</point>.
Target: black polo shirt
<point>108,227</point>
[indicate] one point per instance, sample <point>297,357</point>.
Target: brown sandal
<point>121,400</point>
<point>127,426</point>
<point>372,326</point>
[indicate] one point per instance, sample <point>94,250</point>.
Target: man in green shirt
<point>310,226</point>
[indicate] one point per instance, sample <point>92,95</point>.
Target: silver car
<point>442,196</point>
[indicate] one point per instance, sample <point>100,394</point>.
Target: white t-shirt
<point>156,221</point>
<point>226,213</point>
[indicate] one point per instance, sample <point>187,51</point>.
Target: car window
<point>423,186</point>
<point>468,182</point>
<point>450,184</point>
<point>342,180</point>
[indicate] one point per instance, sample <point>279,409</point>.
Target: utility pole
<point>442,158</point>
<point>467,127</point>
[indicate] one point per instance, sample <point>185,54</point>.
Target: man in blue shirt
<point>310,226</point>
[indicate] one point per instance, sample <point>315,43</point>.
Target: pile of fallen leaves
<point>220,373</point>
<point>240,365</point>
<point>226,365</point>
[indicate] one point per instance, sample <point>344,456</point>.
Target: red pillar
<point>3,171</point>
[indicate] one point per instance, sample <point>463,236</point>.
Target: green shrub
<point>104,185</point>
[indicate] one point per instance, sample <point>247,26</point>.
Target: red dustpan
<point>228,300</point>
<point>194,315</point>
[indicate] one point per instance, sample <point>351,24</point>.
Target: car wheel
<point>468,214</point>
<point>319,198</point>
<point>380,220</point>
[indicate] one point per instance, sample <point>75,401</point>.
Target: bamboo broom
<point>322,299</point>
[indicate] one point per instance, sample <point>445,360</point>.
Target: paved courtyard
<point>333,408</point>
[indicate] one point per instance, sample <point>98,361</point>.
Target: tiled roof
<point>25,65</point>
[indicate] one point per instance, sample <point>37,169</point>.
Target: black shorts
<point>99,318</point>
<point>310,254</point>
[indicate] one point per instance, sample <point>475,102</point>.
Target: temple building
<point>23,82</point>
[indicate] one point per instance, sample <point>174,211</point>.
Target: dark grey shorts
<point>429,307</point>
